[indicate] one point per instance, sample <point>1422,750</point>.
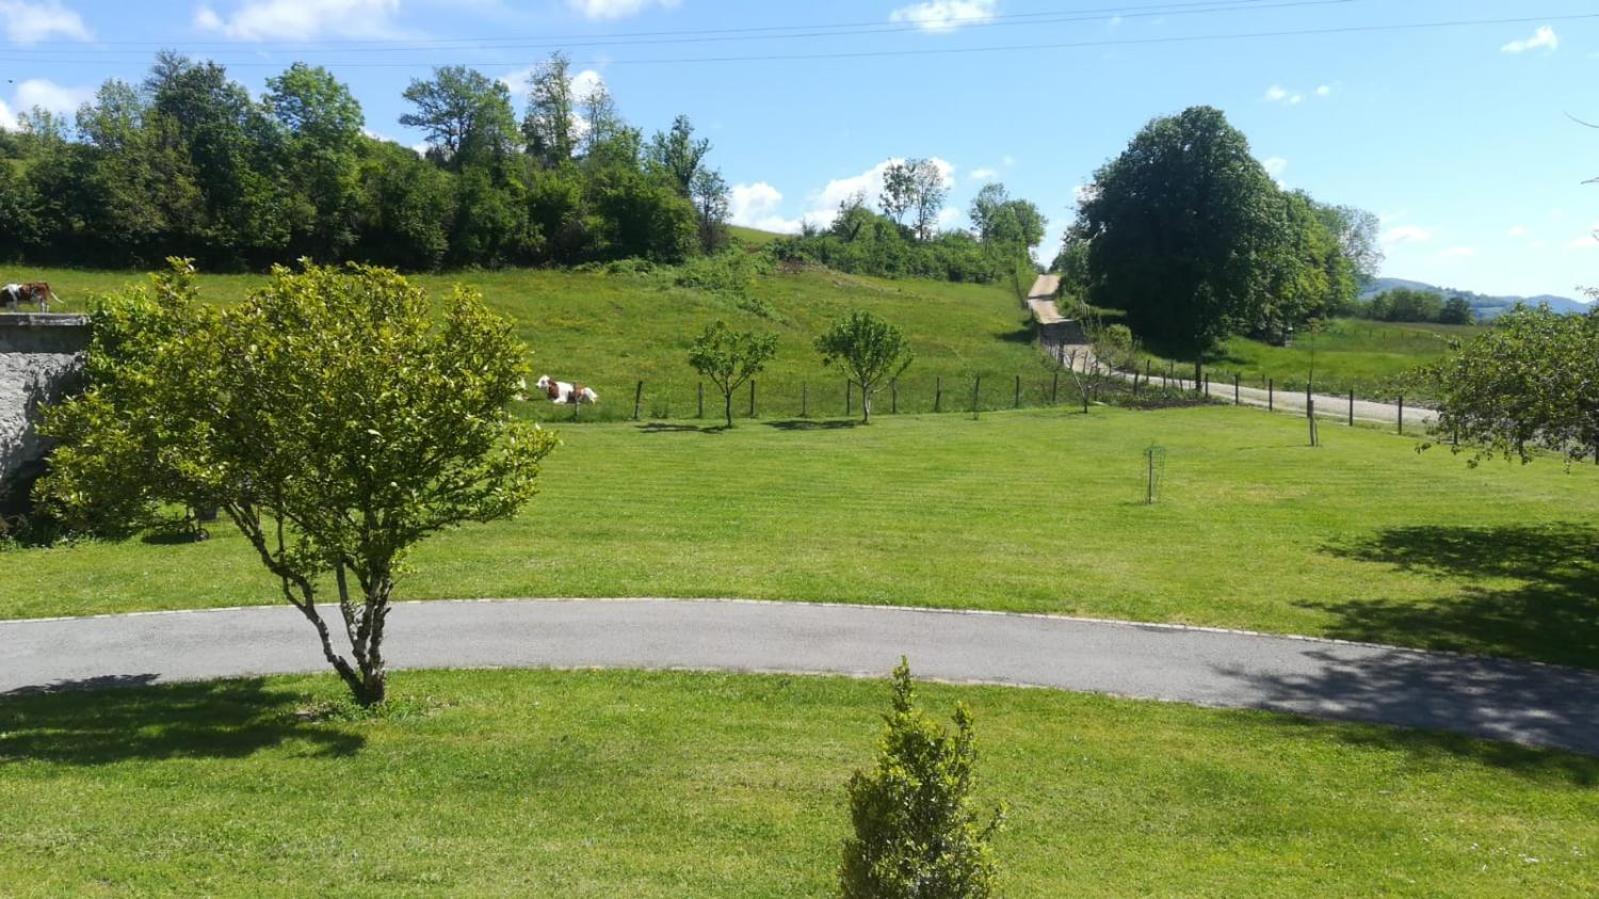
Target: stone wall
<point>41,360</point>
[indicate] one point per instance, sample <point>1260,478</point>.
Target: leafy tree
<point>915,833</point>
<point>331,416</point>
<point>710,195</point>
<point>899,191</point>
<point>550,126</point>
<point>1009,229</point>
<point>928,193</point>
<point>678,154</point>
<point>1457,311</point>
<point>1530,384</point>
<point>465,114</point>
<point>322,122</point>
<point>728,359</point>
<point>869,350</point>
<point>1357,233</point>
<point>1180,230</point>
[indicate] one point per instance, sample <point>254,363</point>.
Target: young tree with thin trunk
<point>331,417</point>
<point>728,359</point>
<point>869,350</point>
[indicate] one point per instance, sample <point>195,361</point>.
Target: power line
<point>951,51</point>
<point>966,21</point>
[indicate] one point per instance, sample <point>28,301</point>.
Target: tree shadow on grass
<point>811,424</point>
<point>85,723</point>
<point>1527,591</point>
<point>1491,712</point>
<point>662,427</point>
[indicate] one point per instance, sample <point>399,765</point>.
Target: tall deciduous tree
<point>678,153</point>
<point>729,359</point>
<point>465,114</point>
<point>1180,230</point>
<point>869,350</point>
<point>331,416</point>
<point>1357,233</point>
<point>1009,229</point>
<point>709,193</point>
<point>550,126</point>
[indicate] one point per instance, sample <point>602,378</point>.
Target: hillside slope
<point>611,331</point>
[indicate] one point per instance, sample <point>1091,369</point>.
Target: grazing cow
<point>562,393</point>
<point>12,296</point>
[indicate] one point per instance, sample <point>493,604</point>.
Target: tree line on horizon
<point>188,164</point>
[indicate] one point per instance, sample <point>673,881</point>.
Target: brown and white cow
<point>561,393</point>
<point>12,296</point>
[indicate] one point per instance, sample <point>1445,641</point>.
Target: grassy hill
<point>611,331</point>
<point>1368,357</point>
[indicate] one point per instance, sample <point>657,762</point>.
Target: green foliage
<point>870,350</point>
<point>915,834</point>
<point>863,242</point>
<point>1457,311</point>
<point>1403,304</point>
<point>729,359</point>
<point>332,419</point>
<point>734,272</point>
<point>192,166</point>
<point>1530,384</point>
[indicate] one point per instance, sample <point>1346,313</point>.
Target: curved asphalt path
<point>1498,699</point>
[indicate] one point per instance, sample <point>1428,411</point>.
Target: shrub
<point>915,832</point>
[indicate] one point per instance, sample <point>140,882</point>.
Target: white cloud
<point>1517,231</point>
<point>616,9</point>
<point>8,121</point>
<point>1324,90</point>
<point>31,22</point>
<point>1544,37</point>
<point>947,217</point>
<point>265,20</point>
<point>945,15</point>
<point>984,174</point>
<point>755,206</point>
<point>1279,94</point>
<point>1589,241</point>
<point>49,95</point>
<point>583,84</point>
<point>1406,234</point>
<point>1458,252</point>
<point>1276,167</point>
<point>1008,161</point>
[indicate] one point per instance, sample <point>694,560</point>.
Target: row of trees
<point>901,238</point>
<point>1403,304</point>
<point>189,164</point>
<point>1187,232</point>
<point>869,350</point>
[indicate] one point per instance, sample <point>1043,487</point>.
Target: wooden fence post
<point>1351,407</point>
<point>701,413</point>
<point>1235,390</point>
<point>977,384</point>
<point>805,399</point>
<point>638,401</point>
<point>849,397</point>
<point>893,397</point>
<point>1271,395</point>
<point>938,394</point>
<point>752,398</point>
<point>1017,404</point>
<point>1207,387</point>
<point>1401,413</point>
<point>1054,387</point>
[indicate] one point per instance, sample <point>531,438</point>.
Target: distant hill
<point>1486,307</point>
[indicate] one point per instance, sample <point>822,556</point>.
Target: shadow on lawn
<point>82,723</point>
<point>813,424</point>
<point>661,427</point>
<point>1446,706</point>
<point>1542,601</point>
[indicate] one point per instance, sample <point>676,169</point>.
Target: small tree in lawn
<point>333,419</point>
<point>728,359</point>
<point>916,836</point>
<point>870,350</point>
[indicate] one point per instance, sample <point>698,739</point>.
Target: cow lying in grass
<point>12,296</point>
<point>562,393</point>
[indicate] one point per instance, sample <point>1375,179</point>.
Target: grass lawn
<point>1037,511</point>
<point>1351,354</point>
<point>613,331</point>
<point>676,784</point>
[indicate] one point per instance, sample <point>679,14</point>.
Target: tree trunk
<point>866,405</point>
<point>727,406</point>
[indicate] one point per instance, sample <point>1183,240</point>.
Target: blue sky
<point>1461,137</point>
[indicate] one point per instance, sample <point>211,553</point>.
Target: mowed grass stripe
<point>1362,538</point>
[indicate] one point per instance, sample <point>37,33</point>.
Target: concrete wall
<point>41,360</point>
